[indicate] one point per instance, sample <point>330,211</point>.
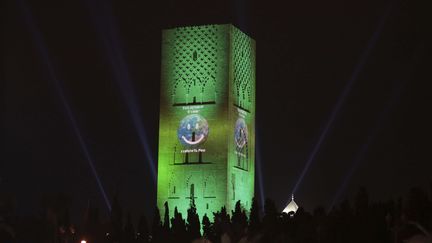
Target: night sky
<point>309,53</point>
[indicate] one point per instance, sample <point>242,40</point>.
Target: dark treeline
<point>407,219</point>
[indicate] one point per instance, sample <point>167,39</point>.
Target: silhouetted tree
<point>418,207</point>
<point>208,231</point>
<point>270,222</point>
<point>356,222</point>
<point>31,229</point>
<point>221,224</point>
<point>7,231</point>
<point>116,218</point>
<point>361,202</point>
<point>254,218</point>
<point>178,228</point>
<point>64,220</point>
<point>166,223</point>
<point>270,214</point>
<point>319,224</point>
<point>142,230</point>
<point>346,218</point>
<point>156,232</point>
<point>54,211</point>
<point>129,232</point>
<point>193,223</point>
<point>91,226</point>
<point>303,230</point>
<point>238,222</point>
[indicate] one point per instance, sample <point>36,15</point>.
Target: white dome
<point>291,207</point>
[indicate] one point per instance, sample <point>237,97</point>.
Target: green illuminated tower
<point>207,119</point>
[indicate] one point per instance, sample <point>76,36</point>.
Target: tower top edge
<point>186,27</point>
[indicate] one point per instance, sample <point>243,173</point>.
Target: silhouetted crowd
<point>407,219</point>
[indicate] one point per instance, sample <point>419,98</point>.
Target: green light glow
<point>207,119</point>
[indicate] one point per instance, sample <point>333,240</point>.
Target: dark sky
<point>307,51</point>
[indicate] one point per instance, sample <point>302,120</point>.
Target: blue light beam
<point>106,29</point>
<point>397,90</point>
<point>359,67</point>
<point>38,39</point>
<point>259,170</point>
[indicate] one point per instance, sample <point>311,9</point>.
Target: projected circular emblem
<point>240,133</point>
<point>193,130</point>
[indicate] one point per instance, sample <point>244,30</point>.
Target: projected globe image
<point>193,130</point>
<point>240,133</point>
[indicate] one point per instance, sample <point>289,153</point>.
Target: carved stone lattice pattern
<point>195,54</point>
<point>243,55</point>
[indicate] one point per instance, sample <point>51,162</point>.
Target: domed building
<point>291,208</point>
